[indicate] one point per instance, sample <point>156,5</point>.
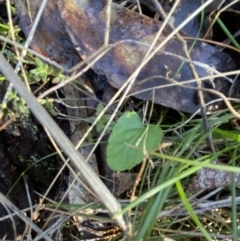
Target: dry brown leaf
<point>131,34</point>
<point>130,37</point>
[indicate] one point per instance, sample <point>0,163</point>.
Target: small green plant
<point>48,104</point>
<point>103,120</point>
<point>43,70</point>
<point>130,141</point>
<point>17,104</point>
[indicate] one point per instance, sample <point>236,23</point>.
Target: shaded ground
<point>26,153</point>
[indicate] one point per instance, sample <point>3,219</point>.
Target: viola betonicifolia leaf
<point>130,141</point>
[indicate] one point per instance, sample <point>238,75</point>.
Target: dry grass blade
<point>21,215</point>
<point>44,118</point>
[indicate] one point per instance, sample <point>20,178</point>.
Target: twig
<point>108,22</point>
<point>226,101</point>
<point>222,96</point>
<point>137,180</point>
<point>8,122</point>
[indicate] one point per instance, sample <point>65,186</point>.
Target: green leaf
<point>130,141</point>
<point>2,78</point>
<point>234,135</point>
<point>42,70</point>
<point>103,120</point>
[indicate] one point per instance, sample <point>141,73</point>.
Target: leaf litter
<point>71,31</point>
<point>130,37</point>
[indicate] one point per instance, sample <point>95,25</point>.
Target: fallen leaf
<point>130,36</point>
<point>183,10</point>
<point>67,25</point>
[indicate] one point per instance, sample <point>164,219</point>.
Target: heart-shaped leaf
<point>130,141</point>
